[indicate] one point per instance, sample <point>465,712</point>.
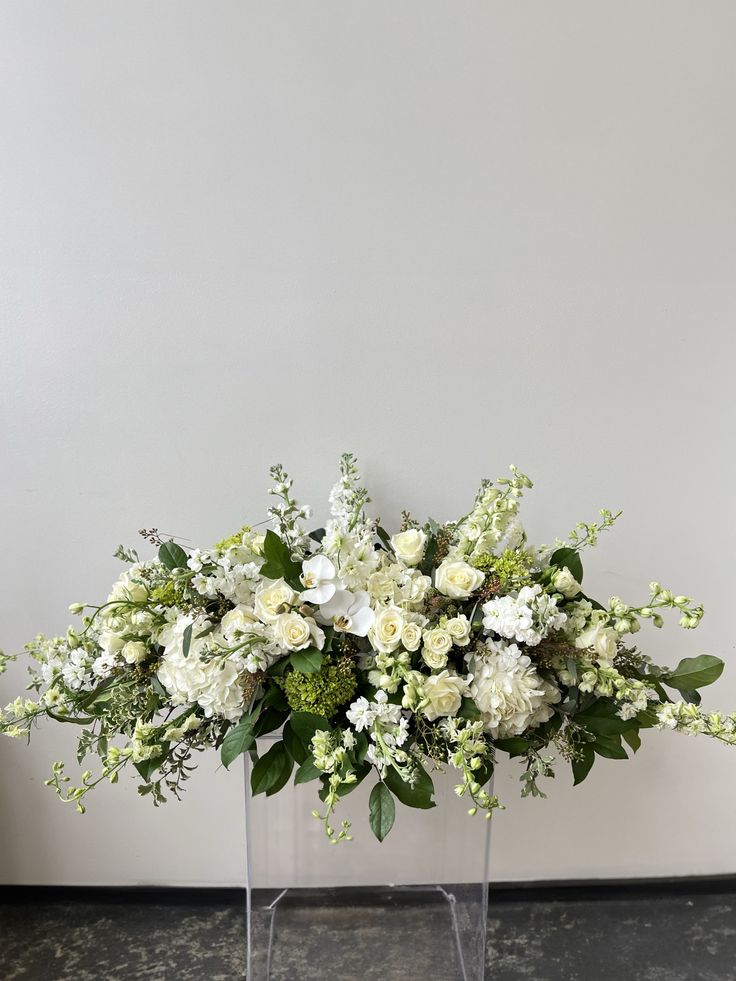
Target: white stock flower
<point>437,645</point>
<point>295,632</point>
<point>443,692</point>
<point>272,598</point>
<point>509,693</point>
<point>349,613</point>
<point>527,617</point>
<point>385,634</point>
<point>409,546</point>
<point>457,579</point>
<point>319,579</point>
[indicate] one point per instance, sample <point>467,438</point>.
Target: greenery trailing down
<point>367,656</point>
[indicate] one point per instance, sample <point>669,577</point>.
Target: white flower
<point>437,645</point>
<point>509,693</point>
<point>360,714</point>
<point>444,692</point>
<point>295,632</point>
<point>666,715</point>
<point>409,546</point>
<point>385,634</point>
<point>601,639</point>
<point>459,629</point>
<point>566,583</point>
<point>318,579</point>
<point>110,642</point>
<point>272,598</point>
<point>527,618</point>
<point>414,587</point>
<point>457,579</point>
<point>238,621</point>
<point>349,613</point>
<point>135,651</point>
<point>212,684</point>
<point>411,636</point>
<point>102,667</point>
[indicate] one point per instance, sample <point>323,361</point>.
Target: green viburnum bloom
<point>324,691</point>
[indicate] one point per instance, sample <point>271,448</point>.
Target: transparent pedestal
<point>414,906</point>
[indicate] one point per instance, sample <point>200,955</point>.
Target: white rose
<point>459,629</point>
<point>564,582</point>
<point>238,620</point>
<point>437,645</point>
<point>444,692</point>
<point>109,642</point>
<point>411,636</point>
<point>457,579</point>
<point>271,598</point>
<point>600,639</point>
<point>415,587</point>
<point>134,651</point>
<point>409,546</point>
<point>385,634</point>
<point>293,632</point>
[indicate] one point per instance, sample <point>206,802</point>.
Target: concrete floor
<point>613,935</point>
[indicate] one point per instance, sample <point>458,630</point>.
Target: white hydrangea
<point>509,693</point>
<point>214,685</point>
<point>527,618</point>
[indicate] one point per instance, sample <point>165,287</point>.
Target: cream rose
<point>134,651</point>
<point>566,583</point>
<point>600,639</point>
<point>415,586</point>
<point>457,579</point>
<point>293,631</point>
<point>437,645</point>
<point>411,636</point>
<point>444,692</point>
<point>409,546</point>
<point>272,598</point>
<point>385,634</point>
<point>459,629</point>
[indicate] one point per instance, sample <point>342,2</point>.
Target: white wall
<point>447,236</point>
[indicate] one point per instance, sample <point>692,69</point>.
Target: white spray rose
<point>238,621</point>
<point>600,639</point>
<point>409,546</point>
<point>459,629</point>
<point>564,582</point>
<point>437,645</point>
<point>134,651</point>
<point>411,636</point>
<point>457,579</point>
<point>444,692</point>
<point>272,597</point>
<point>385,634</point>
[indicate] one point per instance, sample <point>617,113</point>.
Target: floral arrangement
<point>442,645</point>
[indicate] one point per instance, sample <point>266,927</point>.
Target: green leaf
<point>237,740</point>
<point>307,771</point>
<point>568,558</point>
<point>172,556</point>
<point>420,795</point>
<point>186,641</point>
<point>293,744</point>
<point>430,550</point>
<point>468,709</point>
<point>610,747</point>
<point>633,738</point>
<point>601,719</point>
<point>279,563</point>
<point>305,724</point>
<point>288,766</point>
<point>384,538</point>
<point>269,769</point>
<point>270,720</point>
<point>308,661</point>
<point>381,811</point>
<point>514,745</point>
<point>694,672</point>
<point>581,767</point>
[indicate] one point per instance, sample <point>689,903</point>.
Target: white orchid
<point>349,613</point>
<point>319,580</point>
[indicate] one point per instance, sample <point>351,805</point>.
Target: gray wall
<point>448,236</point>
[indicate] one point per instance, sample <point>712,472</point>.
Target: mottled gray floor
<point>642,937</point>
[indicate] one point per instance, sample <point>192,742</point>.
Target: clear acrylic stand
<point>413,906</point>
